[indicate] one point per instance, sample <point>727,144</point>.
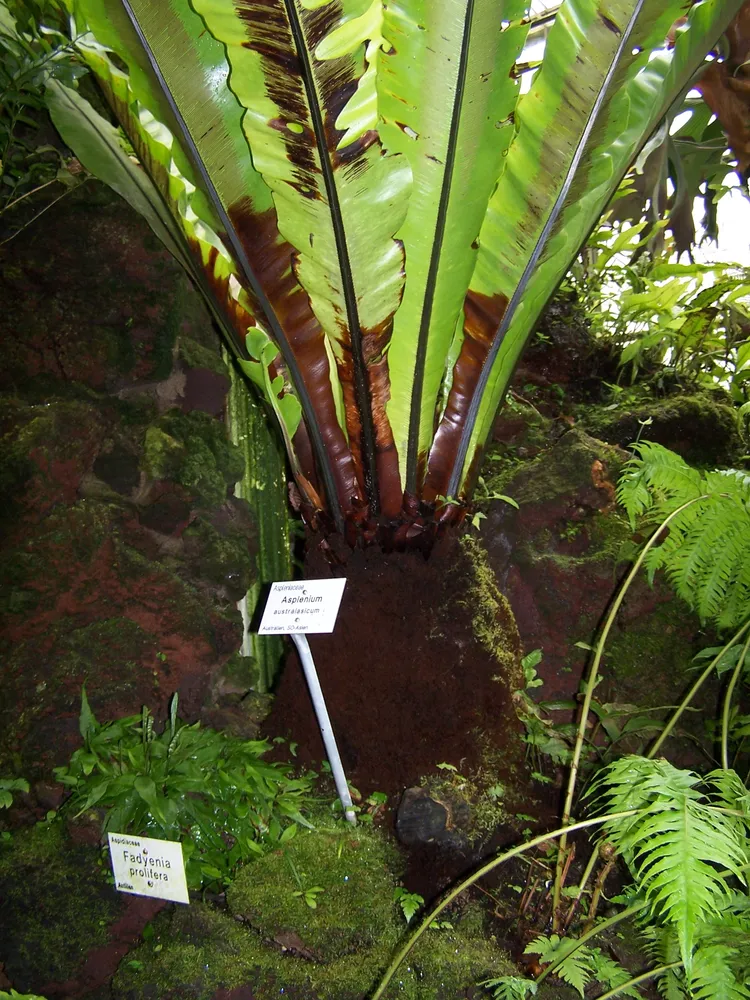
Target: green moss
<point>193,450</point>
<point>561,471</point>
<point>702,427</point>
<point>223,558</point>
<point>657,646</point>
<point>355,873</point>
<point>492,618</point>
<point>163,454</point>
<point>241,675</point>
<point>56,906</point>
<point>198,950</point>
<point>195,355</point>
<point>119,641</point>
<point>200,473</point>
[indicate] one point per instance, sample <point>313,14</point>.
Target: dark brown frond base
<point>417,529</point>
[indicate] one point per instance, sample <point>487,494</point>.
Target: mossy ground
<point>56,905</point>
<point>196,952</point>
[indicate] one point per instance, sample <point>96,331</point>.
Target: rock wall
<point>123,551</point>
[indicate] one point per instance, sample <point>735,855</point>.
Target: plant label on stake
<point>304,606</point>
<point>148,867</point>
<point>311,606</point>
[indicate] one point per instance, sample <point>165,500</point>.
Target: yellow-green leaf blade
<point>447,97</point>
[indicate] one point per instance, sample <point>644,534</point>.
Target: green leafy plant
<point>19,996</point>
<point>7,787</point>
<point>510,987</point>
<point>578,964</point>
<point>687,320</point>
<point>34,50</point>
<point>410,903</point>
<point>210,790</point>
<point>706,552</point>
<point>309,895</point>
<point>685,845</point>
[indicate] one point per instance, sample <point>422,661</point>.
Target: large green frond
<point>179,73</point>
<point>367,196</point>
<point>447,96</point>
<point>602,89</point>
<point>339,208</point>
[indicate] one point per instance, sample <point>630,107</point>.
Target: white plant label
<point>148,867</point>
<point>302,606</point>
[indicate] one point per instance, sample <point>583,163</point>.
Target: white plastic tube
<point>324,722</point>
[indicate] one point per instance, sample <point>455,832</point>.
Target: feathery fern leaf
<point>713,975</point>
<point>679,848</point>
<point>706,553</point>
<point>573,968</point>
<point>510,987</point>
<point>579,964</point>
<point>655,473</point>
<point>610,974</point>
<point>731,792</point>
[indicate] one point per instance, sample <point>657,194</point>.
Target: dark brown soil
<point>407,683</point>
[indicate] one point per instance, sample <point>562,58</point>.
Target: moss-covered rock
<point>702,427</point>
<point>198,953</point>
<point>560,558</point>
<point>46,449</point>
<point>93,297</point>
<point>223,555</point>
<point>193,449</point>
<point>354,874</point>
<point>55,906</point>
<point>573,465</point>
<point>81,603</point>
<point>196,355</point>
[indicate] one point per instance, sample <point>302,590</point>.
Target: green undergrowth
<point>207,789</point>
<point>353,872</point>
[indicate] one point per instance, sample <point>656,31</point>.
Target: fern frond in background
<point>681,848</point>
<point>706,553</point>
<point>661,945</point>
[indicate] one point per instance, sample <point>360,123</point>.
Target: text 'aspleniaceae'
<point>378,212</point>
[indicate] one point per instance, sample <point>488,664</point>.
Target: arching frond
<point>706,552</point>
<point>680,850</point>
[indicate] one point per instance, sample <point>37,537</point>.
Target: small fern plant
<point>706,552</point>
